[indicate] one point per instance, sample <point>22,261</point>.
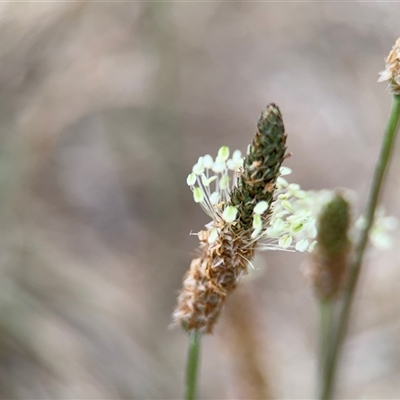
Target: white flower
<point>198,195</point>
<point>289,223</point>
<point>236,161</point>
<point>208,161</point>
<point>213,236</point>
<point>230,214</point>
<point>212,180</point>
<point>223,153</point>
<point>285,241</point>
<point>191,179</point>
<point>260,207</point>
<point>292,223</point>
<point>285,171</point>
<point>302,245</point>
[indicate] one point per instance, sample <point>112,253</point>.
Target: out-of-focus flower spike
<point>329,259</point>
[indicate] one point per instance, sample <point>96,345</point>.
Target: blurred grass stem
<point>355,266</point>
<point>326,307</point>
<point>192,366</point>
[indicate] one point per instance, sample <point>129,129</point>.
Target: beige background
<point>104,108</point>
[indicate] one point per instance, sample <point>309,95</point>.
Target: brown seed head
<point>211,278</point>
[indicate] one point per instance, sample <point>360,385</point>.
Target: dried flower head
<point>392,71</point>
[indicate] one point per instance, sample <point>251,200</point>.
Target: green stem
<point>192,366</point>
<point>355,267</point>
<point>326,308</point>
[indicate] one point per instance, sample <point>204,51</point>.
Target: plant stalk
<point>355,266</point>
<point>326,307</point>
<point>192,366</point>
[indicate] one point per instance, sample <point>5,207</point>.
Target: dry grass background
<point>104,108</point>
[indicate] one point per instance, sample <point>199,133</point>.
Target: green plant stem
<point>192,366</point>
<point>355,267</point>
<point>326,307</point>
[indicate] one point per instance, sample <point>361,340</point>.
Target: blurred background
<point>104,108</point>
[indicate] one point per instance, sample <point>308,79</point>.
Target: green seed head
<point>261,166</point>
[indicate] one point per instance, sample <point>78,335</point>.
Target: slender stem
<point>326,308</point>
<point>192,366</point>
<point>355,267</point>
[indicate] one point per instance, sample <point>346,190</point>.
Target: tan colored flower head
<point>392,71</point>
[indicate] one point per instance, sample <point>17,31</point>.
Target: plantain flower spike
<point>261,169</point>
<point>392,71</point>
<point>329,258</point>
<point>240,195</point>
